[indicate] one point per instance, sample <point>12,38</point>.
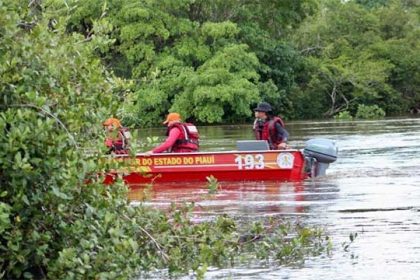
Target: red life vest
<point>269,132</point>
<point>119,145</point>
<point>189,139</point>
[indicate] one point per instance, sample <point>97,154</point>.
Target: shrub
<point>343,116</point>
<point>369,112</point>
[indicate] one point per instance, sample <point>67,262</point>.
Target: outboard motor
<point>319,153</point>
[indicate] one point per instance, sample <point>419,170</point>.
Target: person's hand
<point>148,153</point>
<point>282,146</point>
<point>108,143</point>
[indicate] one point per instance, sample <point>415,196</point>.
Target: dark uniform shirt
<point>281,132</point>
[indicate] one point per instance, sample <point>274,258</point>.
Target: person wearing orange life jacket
<point>182,137</point>
<point>269,127</point>
<point>117,138</point>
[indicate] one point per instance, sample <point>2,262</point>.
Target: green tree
<point>399,29</point>
<point>52,223</point>
<point>345,46</point>
<point>163,46</point>
<point>181,61</point>
<point>313,58</point>
<point>222,88</point>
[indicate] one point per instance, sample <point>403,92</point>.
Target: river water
<point>373,190</point>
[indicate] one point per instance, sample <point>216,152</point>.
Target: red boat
<point>277,165</point>
<point>287,165</point>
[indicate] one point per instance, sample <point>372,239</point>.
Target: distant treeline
<point>212,61</point>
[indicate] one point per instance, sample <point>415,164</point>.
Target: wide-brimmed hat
<point>263,107</point>
<point>172,117</point>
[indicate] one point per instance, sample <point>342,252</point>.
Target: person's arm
<point>169,142</point>
<point>257,128</point>
<point>281,132</point>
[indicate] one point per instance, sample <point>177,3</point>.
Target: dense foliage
<point>359,56</point>
<point>214,60</point>
<point>57,220</point>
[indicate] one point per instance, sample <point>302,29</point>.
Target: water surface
<point>373,189</point>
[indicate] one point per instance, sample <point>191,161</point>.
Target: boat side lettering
<point>194,160</point>
<point>250,161</point>
<point>146,161</point>
<point>167,161</point>
<point>204,160</point>
<point>188,160</point>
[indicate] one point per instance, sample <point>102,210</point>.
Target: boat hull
<point>285,165</point>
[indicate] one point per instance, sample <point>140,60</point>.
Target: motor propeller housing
<point>319,153</point>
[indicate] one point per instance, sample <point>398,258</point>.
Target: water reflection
<point>245,198</point>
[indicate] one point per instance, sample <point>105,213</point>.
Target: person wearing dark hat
<point>269,127</point>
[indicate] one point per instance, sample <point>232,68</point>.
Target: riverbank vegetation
<point>214,60</point>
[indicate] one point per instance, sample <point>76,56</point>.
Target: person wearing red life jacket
<point>117,137</point>
<point>269,127</point>
<point>181,137</point>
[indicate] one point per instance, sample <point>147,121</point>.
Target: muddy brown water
<point>373,189</point>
